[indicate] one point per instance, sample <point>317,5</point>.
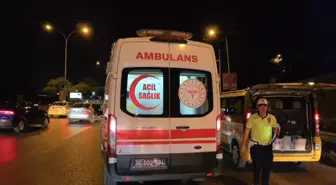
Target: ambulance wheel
<point>108,179</point>
<point>300,164</point>
<point>236,158</point>
<point>198,182</point>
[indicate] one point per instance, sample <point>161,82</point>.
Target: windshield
<point>81,105</point>
<point>59,104</point>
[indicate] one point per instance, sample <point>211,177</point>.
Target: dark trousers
<point>262,160</point>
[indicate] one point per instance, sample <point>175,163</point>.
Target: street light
<point>98,63</point>
<point>84,29</point>
<point>48,27</point>
<point>277,60</point>
<point>212,33</point>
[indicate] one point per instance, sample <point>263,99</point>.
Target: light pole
<point>212,33</point>
<point>82,29</point>
<point>85,30</point>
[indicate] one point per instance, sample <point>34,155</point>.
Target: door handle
<point>182,127</point>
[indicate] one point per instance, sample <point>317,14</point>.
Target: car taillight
<point>218,137</point>
<point>248,113</point>
<point>7,112</point>
<point>317,122</point>
<point>111,135</point>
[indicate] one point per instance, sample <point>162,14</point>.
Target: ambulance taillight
<point>218,137</point>
<point>111,135</point>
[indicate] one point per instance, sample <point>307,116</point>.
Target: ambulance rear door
<point>142,111</point>
<point>193,108</point>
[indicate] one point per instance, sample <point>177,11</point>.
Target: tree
<point>50,90</point>
<point>81,87</point>
<point>59,83</point>
<point>91,82</point>
<point>55,85</point>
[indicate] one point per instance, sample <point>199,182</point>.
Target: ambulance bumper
<point>158,177</point>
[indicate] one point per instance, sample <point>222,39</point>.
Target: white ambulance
<point>162,110</point>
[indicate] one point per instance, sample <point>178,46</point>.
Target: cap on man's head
<point>262,101</point>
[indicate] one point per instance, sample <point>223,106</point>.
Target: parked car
<point>20,115</point>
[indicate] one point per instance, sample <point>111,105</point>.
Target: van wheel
<point>108,179</point>
<point>198,182</point>
<point>237,161</point>
<point>299,164</point>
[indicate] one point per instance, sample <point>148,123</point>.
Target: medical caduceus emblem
<point>192,93</point>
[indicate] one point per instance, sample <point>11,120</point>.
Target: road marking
<point>66,138</point>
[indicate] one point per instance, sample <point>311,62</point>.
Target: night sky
<point>304,32</point>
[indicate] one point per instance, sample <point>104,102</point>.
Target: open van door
<point>295,86</point>
<point>295,105</point>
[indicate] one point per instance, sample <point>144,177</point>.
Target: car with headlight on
<point>58,109</point>
<point>81,111</point>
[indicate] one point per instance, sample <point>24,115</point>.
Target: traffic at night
<point>232,94</point>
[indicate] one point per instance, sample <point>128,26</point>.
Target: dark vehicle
<point>97,109</point>
<point>20,115</point>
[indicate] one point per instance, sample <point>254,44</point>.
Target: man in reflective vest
<point>262,126</point>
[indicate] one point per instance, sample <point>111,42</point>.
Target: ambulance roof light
<point>165,34</point>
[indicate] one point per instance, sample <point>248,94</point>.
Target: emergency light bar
<point>165,34</point>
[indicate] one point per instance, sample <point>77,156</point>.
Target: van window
<point>202,77</point>
<point>142,92</point>
<point>233,105</point>
<point>286,103</point>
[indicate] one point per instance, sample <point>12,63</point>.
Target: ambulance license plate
<point>141,164</point>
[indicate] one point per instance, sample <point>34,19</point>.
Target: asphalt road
<point>70,155</point>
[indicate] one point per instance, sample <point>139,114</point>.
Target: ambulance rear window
<point>194,90</point>
<point>164,92</point>
<point>143,92</point>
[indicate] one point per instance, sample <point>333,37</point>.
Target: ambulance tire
<point>236,159</point>
<point>108,179</point>
<point>199,181</point>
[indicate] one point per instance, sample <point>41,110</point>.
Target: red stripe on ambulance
<point>193,133</point>
<point>142,134</point>
<point>166,142</point>
<point>164,134</point>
